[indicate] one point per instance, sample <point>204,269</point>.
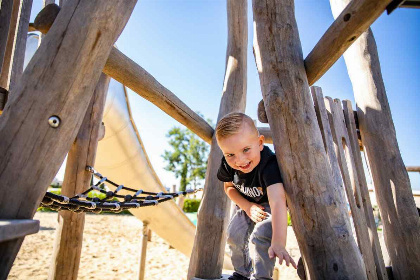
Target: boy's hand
<point>282,254</point>
<point>256,212</point>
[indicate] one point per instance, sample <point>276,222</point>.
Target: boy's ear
<point>261,142</point>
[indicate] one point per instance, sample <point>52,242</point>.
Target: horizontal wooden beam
<point>126,71</point>
<point>413,168</point>
<point>348,26</point>
<point>12,229</point>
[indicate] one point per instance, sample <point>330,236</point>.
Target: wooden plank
<point>58,81</point>
<point>351,182</point>
<point>19,44</point>
<point>325,242</point>
<point>413,168</point>
<point>69,236</point>
<point>7,59</point>
<point>364,192</point>
<point>12,229</point>
<point>5,17</point>
<point>207,261</point>
<point>356,17</point>
<point>390,178</point>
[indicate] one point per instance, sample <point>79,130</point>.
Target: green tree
<point>188,159</point>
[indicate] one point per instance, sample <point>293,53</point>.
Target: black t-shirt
<point>253,185</point>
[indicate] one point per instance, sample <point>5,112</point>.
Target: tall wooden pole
<point>390,178</point>
<point>143,251</point>
<point>45,112</point>
<point>6,10</point>
<point>209,246</point>
<point>68,241</point>
<point>324,237</point>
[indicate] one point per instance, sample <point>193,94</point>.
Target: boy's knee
<point>235,237</point>
<point>262,234</point>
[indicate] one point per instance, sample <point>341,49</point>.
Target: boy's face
<point>242,150</point>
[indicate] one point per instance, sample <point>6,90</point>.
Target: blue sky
<point>182,43</point>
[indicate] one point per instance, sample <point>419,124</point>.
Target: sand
<point>111,250</point>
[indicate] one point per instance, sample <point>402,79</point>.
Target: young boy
<point>252,181</point>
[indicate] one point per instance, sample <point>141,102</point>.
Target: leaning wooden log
<point>19,44</point>
<point>364,192</point>
<point>206,261</point>
<point>325,241</point>
<point>43,116</point>
<point>413,168</point>
<point>390,178</point>
<point>69,236</point>
<point>356,17</point>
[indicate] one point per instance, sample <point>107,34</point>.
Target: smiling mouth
<point>246,166</point>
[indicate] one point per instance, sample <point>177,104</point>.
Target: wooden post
<point>6,11</point>
<point>7,55</point>
<point>143,252</point>
<point>390,178</point>
<point>364,192</point>
<point>57,84</point>
<point>209,245</point>
<point>68,242</point>
<point>351,182</point>
<point>19,44</point>
<point>324,239</point>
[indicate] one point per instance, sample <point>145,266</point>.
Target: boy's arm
<point>277,200</point>
<point>254,211</point>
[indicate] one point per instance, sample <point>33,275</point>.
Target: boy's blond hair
<point>231,123</point>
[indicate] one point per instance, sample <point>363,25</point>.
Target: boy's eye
<point>246,150</point>
<point>229,155</point>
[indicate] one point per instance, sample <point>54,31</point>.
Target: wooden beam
<point>413,168</point>
<point>12,229</point>
<point>5,17</point>
<point>143,251</point>
<point>7,58</point>
<point>356,17</point>
<point>19,44</point>
<point>364,192</point>
<point>58,82</point>
<point>69,236</point>
<point>207,261</point>
<point>326,243</point>
<point>390,178</point>
<point>126,71</point>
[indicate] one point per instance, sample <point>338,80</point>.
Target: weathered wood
<point>7,59</point>
<point>132,75</point>
<point>58,81</point>
<point>19,44</point>
<point>143,251</point>
<point>324,239</point>
<point>69,236</point>
<point>390,178</point>
<point>12,229</point>
<point>351,182</point>
<point>413,168</point>
<point>364,192</point>
<point>209,245</point>
<point>356,17</point>
<point>5,17</point>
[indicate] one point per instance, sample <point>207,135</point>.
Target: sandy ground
<point>111,250</point>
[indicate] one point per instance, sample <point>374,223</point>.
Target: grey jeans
<point>241,229</point>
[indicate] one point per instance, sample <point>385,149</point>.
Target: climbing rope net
<point>85,203</point>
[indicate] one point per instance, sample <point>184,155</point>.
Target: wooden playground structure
<point>60,97</point>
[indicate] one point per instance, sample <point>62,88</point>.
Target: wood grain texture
<point>209,245</point>
<point>351,182</point>
<point>354,19</point>
<point>58,81</point>
<point>12,229</point>
<point>69,236</point>
<point>390,179</point>
<point>7,59</point>
<point>364,192</point>
<point>19,44</point>
<point>5,17</point>
<point>324,239</point>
